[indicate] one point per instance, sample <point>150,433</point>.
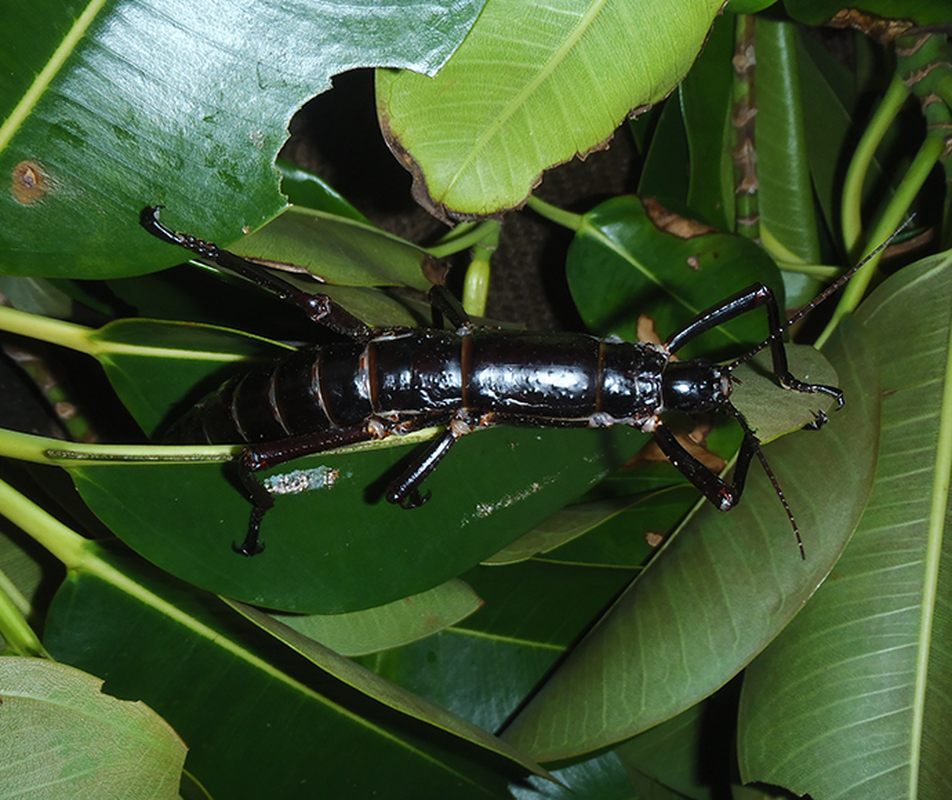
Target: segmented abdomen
<point>403,376</point>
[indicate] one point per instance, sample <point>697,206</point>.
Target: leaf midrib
<point>518,100</point>
<point>46,75</point>
<point>937,514</point>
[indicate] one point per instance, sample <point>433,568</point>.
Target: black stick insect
<point>391,382</point>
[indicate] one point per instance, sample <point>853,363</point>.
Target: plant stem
<point>892,218</point>
<point>55,331</point>
<point>46,530</point>
<point>464,236</point>
<point>476,283</point>
<point>19,637</point>
<point>40,450</point>
<point>557,215</point>
<point>863,156</point>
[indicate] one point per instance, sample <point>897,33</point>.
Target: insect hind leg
<point>257,457</point>
<point>320,308</point>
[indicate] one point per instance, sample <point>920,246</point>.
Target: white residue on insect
<point>302,480</point>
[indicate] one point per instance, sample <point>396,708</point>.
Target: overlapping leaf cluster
<point>450,651</point>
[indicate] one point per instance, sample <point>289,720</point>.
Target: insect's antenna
<point>783,499</point>
<point>748,449</point>
<point>823,296</point>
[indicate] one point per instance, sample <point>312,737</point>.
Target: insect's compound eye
<point>693,386</point>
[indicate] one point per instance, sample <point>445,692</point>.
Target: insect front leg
<point>752,297</point>
<point>721,493</point>
<point>405,491</point>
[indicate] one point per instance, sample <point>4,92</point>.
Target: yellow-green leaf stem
<point>18,636</point>
<point>54,331</point>
<point>463,236</point>
<point>555,214</point>
<point>63,542</point>
<point>476,284</point>
<point>85,340</point>
<point>862,158</point>
<point>932,148</point>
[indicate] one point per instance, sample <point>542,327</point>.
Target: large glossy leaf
<point>720,590</point>
<point>390,625</point>
<point>337,250</point>
<point>620,265</point>
<point>112,106</point>
<point>483,668</point>
<point>64,739</point>
<point>787,223</point>
<point>238,700</point>
<point>878,629</point>
<point>334,544</point>
<point>533,85</point>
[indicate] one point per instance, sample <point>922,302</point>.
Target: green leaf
<point>239,701</point>
<point>64,739</point>
<point>533,85</point>
<point>620,265</point>
<point>878,629</point>
<point>110,107</point>
<point>787,222</point>
<point>630,538</point>
<point>384,692</point>
<point>333,543</point>
<point>705,96</point>
<point>663,175</point>
<point>599,778</point>
<point>483,668</point>
<point>336,250</point>
<point>392,625</point>
<point>771,413</point>
<point>155,366</point>
<point>671,753</point>
<point>719,591</point>
<point>306,189</point>
<point>563,527</point>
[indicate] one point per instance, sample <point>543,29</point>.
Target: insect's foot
<point>415,499</point>
<point>819,420</point>
<point>251,546</point>
<point>247,548</point>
